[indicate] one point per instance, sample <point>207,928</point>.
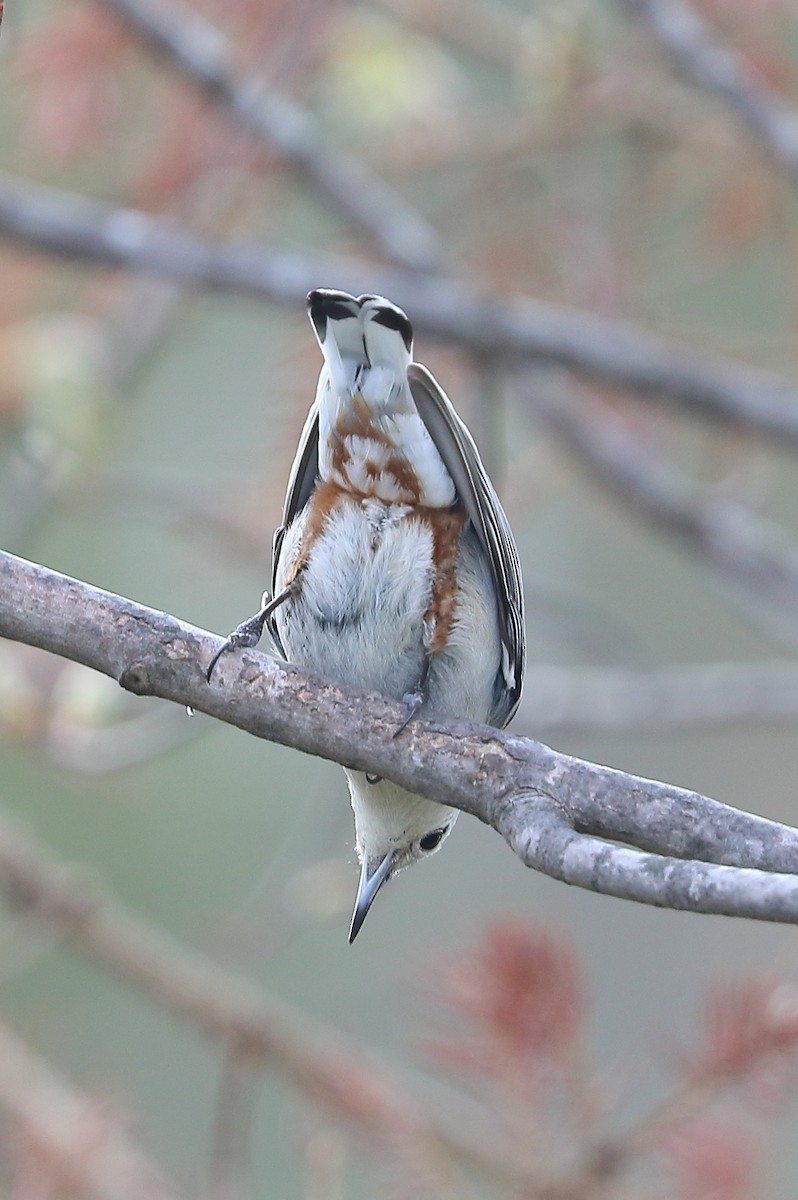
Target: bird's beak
<point>367,889</point>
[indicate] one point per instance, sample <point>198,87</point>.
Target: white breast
<point>371,435</point>
<point>359,615</point>
<point>365,588</point>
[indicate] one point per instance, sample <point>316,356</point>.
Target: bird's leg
<point>249,632</point>
<point>416,699</point>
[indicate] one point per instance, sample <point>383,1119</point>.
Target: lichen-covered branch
<point>550,808</point>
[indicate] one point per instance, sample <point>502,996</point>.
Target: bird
<point>394,568</point>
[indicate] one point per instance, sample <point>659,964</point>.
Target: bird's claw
<point>244,637</point>
<point>415,701</point>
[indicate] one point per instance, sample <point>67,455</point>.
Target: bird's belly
<point>362,609</point>
<point>363,594</point>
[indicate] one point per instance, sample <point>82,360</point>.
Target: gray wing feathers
<point>301,481</point>
<point>461,459</point>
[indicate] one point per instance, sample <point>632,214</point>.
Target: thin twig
<point>85,1146</point>
<point>355,1088</point>
<point>755,556</point>
<point>686,696</point>
<point>201,54</point>
<point>721,71</point>
<point>230,1155</point>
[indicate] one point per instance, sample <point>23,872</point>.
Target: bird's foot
<point>415,701</point>
<point>249,632</point>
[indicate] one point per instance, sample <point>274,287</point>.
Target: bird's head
<point>360,332</point>
<point>393,828</point>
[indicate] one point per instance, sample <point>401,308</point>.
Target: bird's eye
<point>432,840</point>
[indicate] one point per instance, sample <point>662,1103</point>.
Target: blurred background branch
<point>691,697</point>
<point>353,1086</point>
<point>70,1141</point>
<point>588,212</point>
<point>194,47</point>
<point>602,349</point>
<point>688,39</point>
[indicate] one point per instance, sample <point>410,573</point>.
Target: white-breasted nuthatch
<point>394,568</point>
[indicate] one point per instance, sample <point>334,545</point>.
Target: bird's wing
<point>301,481</point>
<point>461,459</point>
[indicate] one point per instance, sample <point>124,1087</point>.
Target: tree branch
<point>549,807</point>
<point>85,1150</point>
<point>693,697</point>
<point>229,1168</point>
<point>611,351</point>
<point>755,556</point>
<point>719,70</point>
<point>355,1088</point>
<point>546,839</point>
<point>685,696</point>
<point>200,53</point>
